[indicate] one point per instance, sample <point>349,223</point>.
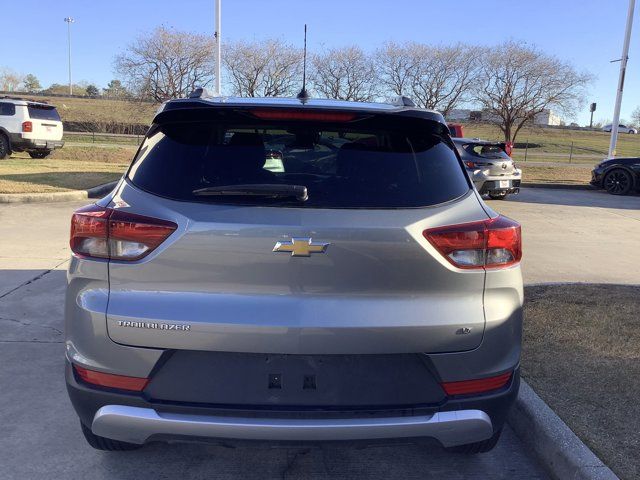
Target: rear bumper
<point>494,186</point>
<point>19,143</point>
<point>138,419</point>
<point>139,425</point>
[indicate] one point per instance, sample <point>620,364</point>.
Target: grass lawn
<point>555,174</point>
<point>581,354</point>
<point>592,144</point>
<point>67,169</point>
<point>96,110</point>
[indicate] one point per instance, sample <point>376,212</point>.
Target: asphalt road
<point>568,235</point>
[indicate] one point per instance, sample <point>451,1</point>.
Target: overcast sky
<point>587,33</point>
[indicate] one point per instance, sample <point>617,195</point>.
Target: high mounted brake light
<point>98,232</point>
<point>493,243</point>
<point>288,114</point>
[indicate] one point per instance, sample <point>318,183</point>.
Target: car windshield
<point>369,165</point>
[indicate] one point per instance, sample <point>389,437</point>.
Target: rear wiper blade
<point>256,190</point>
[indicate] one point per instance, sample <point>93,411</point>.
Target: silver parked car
<point>621,129</point>
<point>490,168</point>
<point>288,271</point>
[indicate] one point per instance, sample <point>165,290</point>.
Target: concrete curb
<point>95,192</point>
<point>558,449</point>
<point>558,186</point>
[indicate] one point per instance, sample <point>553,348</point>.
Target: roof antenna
<point>303,96</point>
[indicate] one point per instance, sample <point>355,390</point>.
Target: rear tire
<point>5,150</point>
<point>477,447</point>
<point>618,182</point>
<point>498,195</point>
<point>40,154</point>
<point>107,444</point>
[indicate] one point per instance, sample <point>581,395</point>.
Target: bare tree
<point>435,77</point>
<point>635,117</point>
<point>518,81</point>
<point>10,80</point>
<point>270,68</point>
<point>396,67</point>
<point>346,73</point>
<point>167,63</point>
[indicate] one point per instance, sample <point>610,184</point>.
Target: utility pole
<point>623,69</point>
<point>69,21</point>
<point>218,37</point>
<point>592,108</point>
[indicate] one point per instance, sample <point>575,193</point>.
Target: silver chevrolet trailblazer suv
<point>292,271</point>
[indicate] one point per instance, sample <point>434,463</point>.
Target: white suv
<point>27,126</point>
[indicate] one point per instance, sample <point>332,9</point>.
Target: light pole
<point>69,21</point>
<point>218,37</point>
<point>623,69</point>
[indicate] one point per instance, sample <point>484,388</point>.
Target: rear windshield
<point>487,151</point>
<point>43,112</point>
<point>367,164</point>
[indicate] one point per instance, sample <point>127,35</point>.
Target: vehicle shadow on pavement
<point>348,462</point>
<point>575,198</point>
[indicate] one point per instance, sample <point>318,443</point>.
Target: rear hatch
<point>255,266</point>
<point>490,156</point>
<point>46,123</point>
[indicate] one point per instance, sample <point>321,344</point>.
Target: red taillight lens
<point>482,385</point>
<point>98,232</point>
<point>27,127</point>
<point>89,227</point>
<point>286,114</point>
<point>121,382</point>
<point>494,243</point>
<point>470,164</point>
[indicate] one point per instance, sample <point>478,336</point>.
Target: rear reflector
<point>493,243</point>
<point>285,114</point>
<point>121,382</point>
<point>98,232</point>
<point>468,387</point>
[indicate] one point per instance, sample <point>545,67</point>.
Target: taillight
<point>482,385</point>
<point>493,243</point>
<point>27,127</point>
<point>318,116</point>
<point>110,380</point>
<point>98,232</point>
<point>470,164</point>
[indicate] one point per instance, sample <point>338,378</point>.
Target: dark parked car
<point>618,176</point>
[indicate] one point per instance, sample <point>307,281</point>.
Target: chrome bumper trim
<point>137,425</point>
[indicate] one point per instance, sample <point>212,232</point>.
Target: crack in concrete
<point>27,324</point>
<point>34,279</point>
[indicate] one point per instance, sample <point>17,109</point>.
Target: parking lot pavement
<point>576,235</point>
<point>41,436</point>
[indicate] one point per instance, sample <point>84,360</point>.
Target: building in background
<point>547,117</point>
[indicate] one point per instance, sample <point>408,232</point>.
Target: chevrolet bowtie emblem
<point>301,247</point>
